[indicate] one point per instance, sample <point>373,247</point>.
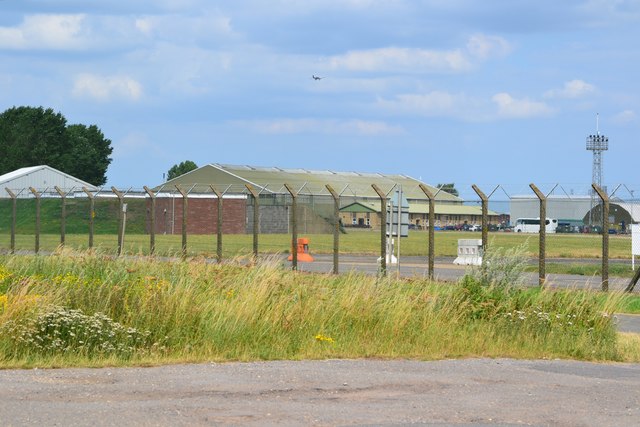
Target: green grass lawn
<point>360,242</point>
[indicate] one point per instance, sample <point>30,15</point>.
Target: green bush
<point>61,330</point>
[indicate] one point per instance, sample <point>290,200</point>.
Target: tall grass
<point>157,312</point>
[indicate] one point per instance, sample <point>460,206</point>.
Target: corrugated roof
<point>272,179</point>
<point>9,176</point>
<point>448,209</point>
<point>18,173</point>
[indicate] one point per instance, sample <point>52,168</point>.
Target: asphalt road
<point>445,270</point>
<point>478,392</point>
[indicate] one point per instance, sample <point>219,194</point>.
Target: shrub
<point>502,267</point>
<point>61,330</point>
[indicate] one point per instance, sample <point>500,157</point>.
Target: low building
<point>359,202</point>
<point>43,179</point>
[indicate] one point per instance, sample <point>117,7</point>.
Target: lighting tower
<point>596,143</point>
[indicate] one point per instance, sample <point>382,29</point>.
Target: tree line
<point>32,136</point>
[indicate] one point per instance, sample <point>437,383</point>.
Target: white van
<point>532,225</point>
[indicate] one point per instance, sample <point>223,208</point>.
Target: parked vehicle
<point>532,225</point>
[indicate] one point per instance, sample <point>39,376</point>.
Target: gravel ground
<point>479,392</point>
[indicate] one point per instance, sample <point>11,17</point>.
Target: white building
<point>42,178</point>
<point>575,209</point>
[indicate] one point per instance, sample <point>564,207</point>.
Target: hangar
<point>360,204</point>
<point>575,211</point>
<point>42,178</point>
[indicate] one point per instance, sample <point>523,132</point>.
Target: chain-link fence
<point>239,221</point>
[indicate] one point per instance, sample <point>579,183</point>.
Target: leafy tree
<point>449,188</point>
<point>31,136</point>
<point>89,155</point>
<point>181,169</point>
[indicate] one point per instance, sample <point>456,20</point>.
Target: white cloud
<point>483,46</point>
<point>480,47</point>
<point>624,117</point>
<point>572,89</point>
<point>509,107</point>
<point>395,58</point>
<point>105,88</point>
<point>46,32</point>
<point>349,127</point>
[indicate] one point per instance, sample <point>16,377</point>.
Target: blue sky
<point>486,92</point>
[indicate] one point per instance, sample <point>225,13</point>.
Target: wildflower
<point>325,338</point>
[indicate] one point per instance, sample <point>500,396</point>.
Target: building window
<point>354,218</point>
<point>368,220</point>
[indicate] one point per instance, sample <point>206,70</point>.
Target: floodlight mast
<point>596,143</point>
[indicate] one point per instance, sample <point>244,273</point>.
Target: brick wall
<point>202,215</point>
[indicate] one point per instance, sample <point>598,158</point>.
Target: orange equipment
<point>303,251</point>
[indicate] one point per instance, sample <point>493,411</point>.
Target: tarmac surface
<point>472,392</point>
<point>446,271</point>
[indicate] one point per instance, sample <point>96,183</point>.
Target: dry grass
<point>195,311</point>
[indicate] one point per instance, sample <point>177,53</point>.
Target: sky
<point>495,92</point>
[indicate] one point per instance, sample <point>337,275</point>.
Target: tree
<point>31,136</point>
<point>449,188</point>
<point>89,156</point>
<point>181,169</point>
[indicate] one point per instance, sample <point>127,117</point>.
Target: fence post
<point>185,207</point>
<point>256,219</point>
<point>383,229</point>
<point>152,225</point>
<point>92,214</point>
<point>543,235</point>
<point>63,215</point>
<point>121,219</point>
<point>432,220</point>
<point>485,218</point>
<point>336,227</point>
<point>13,218</point>
<point>35,193</point>
<point>218,223</point>
<point>294,227</point>
<point>605,236</point>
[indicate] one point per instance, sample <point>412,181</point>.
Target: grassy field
<point>77,216</point>
<point>80,309</point>
<point>360,242</point>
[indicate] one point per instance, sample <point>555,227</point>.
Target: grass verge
<point>79,309</point>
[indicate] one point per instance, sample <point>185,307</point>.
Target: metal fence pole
<point>218,223</point>
<point>63,215</point>
<point>336,227</point>
<point>121,218</point>
<point>152,222</point>
<point>542,250</point>
<point>13,219</point>
<point>35,193</point>
<point>294,227</point>
<point>431,233</point>
<point>605,236</point>
<point>92,214</point>
<point>383,229</point>
<point>185,207</point>
<point>485,218</point>
<point>256,219</point>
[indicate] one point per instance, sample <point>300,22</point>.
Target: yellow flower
<point>3,302</point>
<point>4,273</point>
<point>325,338</point>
